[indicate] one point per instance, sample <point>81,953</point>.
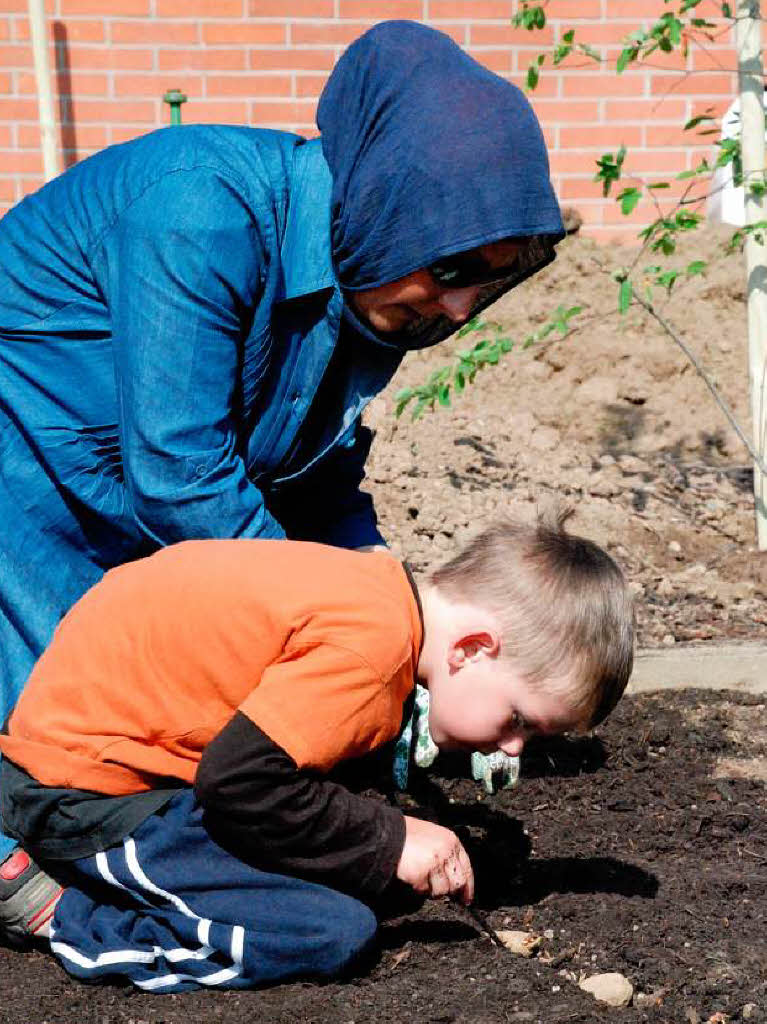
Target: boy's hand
<point>433,861</point>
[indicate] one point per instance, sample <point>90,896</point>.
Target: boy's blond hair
<point>562,603</point>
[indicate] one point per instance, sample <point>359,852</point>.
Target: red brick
<point>77,30</point>
<point>572,188</point>
<point>381,9</point>
<point>7,192</point>
<point>602,33</point>
<point>156,85</point>
<point>201,59</point>
<point>574,162</point>
<point>243,33</point>
<point>215,112</point>
<point>199,8</point>
<point>654,162</point>
<point>666,136</point>
<point>22,161</point>
<point>5,83</point>
<point>5,28</point>
<point>693,85</point>
<point>296,112</point>
<point>127,132</point>
<point>111,111</point>
<point>5,135</point>
<point>84,58</point>
<point>574,10</point>
<point>475,10</point>
<point>15,57</point>
<point>116,8</point>
<point>339,33</point>
<point>154,33</point>
<point>86,136</point>
<point>496,60</point>
<point>310,85</point>
<point>605,85</point>
<point>81,84</point>
<point>248,85</point>
<point>599,136</point>
<point>670,110</point>
<point>714,58</point>
<point>291,60</point>
<point>290,8</point>
<point>553,111</point>
<point>646,10</point>
<point>458,31</point>
<point>12,6</point>
<point>29,185</point>
<point>504,34</point>
<point>15,109</point>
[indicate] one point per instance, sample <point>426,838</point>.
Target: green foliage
<point>531,17</point>
<point>610,169</point>
<point>468,363</point>
<point>628,199</point>
<point>739,237</point>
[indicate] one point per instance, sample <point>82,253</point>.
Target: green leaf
<point>695,121</point>
<point>443,394</point>
<point>532,77</point>
<point>659,184</point>
<point>696,267</point>
<point>667,279</point>
<point>624,295</point>
<point>726,11</point>
<point>568,36</point>
<point>625,58</point>
<point>628,199</point>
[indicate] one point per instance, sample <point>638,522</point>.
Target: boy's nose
<point>513,747</point>
<point>457,303</point>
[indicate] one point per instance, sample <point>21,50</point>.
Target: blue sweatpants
<point>170,910</point>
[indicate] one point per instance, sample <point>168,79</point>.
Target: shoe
<point>28,898</point>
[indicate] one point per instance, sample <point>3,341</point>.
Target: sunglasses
<point>468,269</point>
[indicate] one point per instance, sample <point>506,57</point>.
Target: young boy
<point>169,759</point>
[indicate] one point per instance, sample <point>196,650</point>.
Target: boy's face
<point>479,702</point>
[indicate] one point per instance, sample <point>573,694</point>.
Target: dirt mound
<point>612,419</point>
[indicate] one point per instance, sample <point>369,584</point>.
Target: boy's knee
<point>349,932</point>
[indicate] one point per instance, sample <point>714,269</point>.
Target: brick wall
<point>263,62</point>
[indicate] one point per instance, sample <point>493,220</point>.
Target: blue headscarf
<point>430,154</point>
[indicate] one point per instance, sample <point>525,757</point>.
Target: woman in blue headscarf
<point>192,323</point>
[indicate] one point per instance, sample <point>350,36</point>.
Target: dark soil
<point>642,851</point>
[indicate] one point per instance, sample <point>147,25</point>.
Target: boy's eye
<point>516,721</point>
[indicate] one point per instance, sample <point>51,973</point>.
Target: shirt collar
<point>307,260</point>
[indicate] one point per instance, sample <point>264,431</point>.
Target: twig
<point>672,333</point>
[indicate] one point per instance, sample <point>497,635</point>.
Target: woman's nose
<point>457,303</point>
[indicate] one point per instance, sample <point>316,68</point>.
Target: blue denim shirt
<point>169,313</point>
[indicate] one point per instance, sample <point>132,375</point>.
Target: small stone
<point>675,547</point>
<point>549,933</point>
<point>524,943</point>
<point>613,989</point>
<point>668,639</point>
<point>749,1011</point>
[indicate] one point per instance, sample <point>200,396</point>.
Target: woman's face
<point>392,306</point>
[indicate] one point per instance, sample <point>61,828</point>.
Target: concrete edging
<point>734,666</point>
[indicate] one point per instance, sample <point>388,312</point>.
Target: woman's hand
<point>433,861</point>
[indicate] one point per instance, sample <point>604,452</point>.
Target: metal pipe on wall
<point>48,133</point>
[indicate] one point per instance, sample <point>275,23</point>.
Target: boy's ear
<point>470,645</point>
